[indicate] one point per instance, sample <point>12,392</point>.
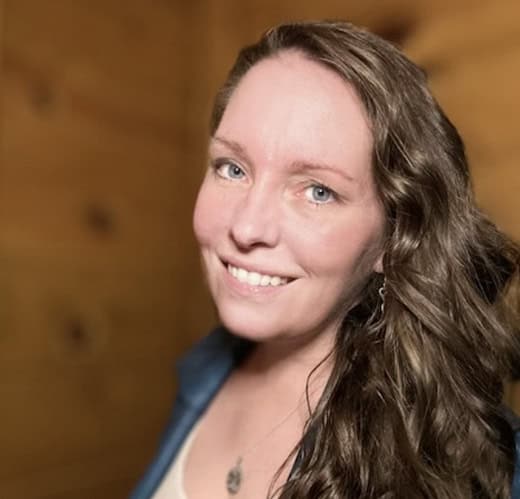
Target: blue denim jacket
<point>200,375</point>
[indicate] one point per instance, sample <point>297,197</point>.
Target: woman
<point>365,338</point>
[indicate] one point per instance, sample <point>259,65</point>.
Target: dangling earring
<point>381,291</point>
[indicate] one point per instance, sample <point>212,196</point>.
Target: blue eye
<point>319,194</point>
<point>229,170</point>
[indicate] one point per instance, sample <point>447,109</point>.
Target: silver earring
<point>381,291</point>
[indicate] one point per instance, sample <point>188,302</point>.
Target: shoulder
<point>201,372</point>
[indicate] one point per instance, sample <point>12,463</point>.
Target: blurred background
<point>104,105</point>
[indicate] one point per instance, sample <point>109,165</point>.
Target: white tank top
<point>172,485</point>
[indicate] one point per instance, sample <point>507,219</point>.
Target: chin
<point>251,328</point>
<point>250,331</point>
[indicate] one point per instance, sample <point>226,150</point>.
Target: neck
<point>283,366</point>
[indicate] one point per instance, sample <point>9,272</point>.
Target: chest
<point>243,444</point>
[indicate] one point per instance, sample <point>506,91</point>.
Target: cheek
<point>202,216</point>
<point>209,215</point>
<point>339,248</point>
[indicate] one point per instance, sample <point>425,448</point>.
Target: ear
<point>378,264</point>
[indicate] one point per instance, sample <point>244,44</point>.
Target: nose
<point>256,220</point>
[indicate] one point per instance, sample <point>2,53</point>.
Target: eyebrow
<point>296,166</point>
<point>234,146</point>
<point>305,166</point>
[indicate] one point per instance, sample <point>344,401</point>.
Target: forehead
<point>289,104</point>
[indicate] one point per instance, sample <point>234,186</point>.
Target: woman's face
<point>287,217</point>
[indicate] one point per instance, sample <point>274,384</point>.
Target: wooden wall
<point>102,130</point>
<point>103,145</point>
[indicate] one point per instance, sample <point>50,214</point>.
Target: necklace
<point>235,475</point>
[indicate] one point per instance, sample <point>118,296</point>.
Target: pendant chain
<point>235,475</point>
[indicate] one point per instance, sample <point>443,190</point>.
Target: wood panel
<point>474,71</point>
<point>103,146</point>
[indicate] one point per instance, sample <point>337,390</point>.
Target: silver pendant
<point>234,478</point>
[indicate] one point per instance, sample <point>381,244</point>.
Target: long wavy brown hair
<point>413,406</point>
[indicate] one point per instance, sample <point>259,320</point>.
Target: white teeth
<point>265,280</point>
<point>254,278</point>
<point>242,275</point>
<point>275,281</point>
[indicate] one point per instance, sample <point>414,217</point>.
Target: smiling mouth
<point>255,278</point>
